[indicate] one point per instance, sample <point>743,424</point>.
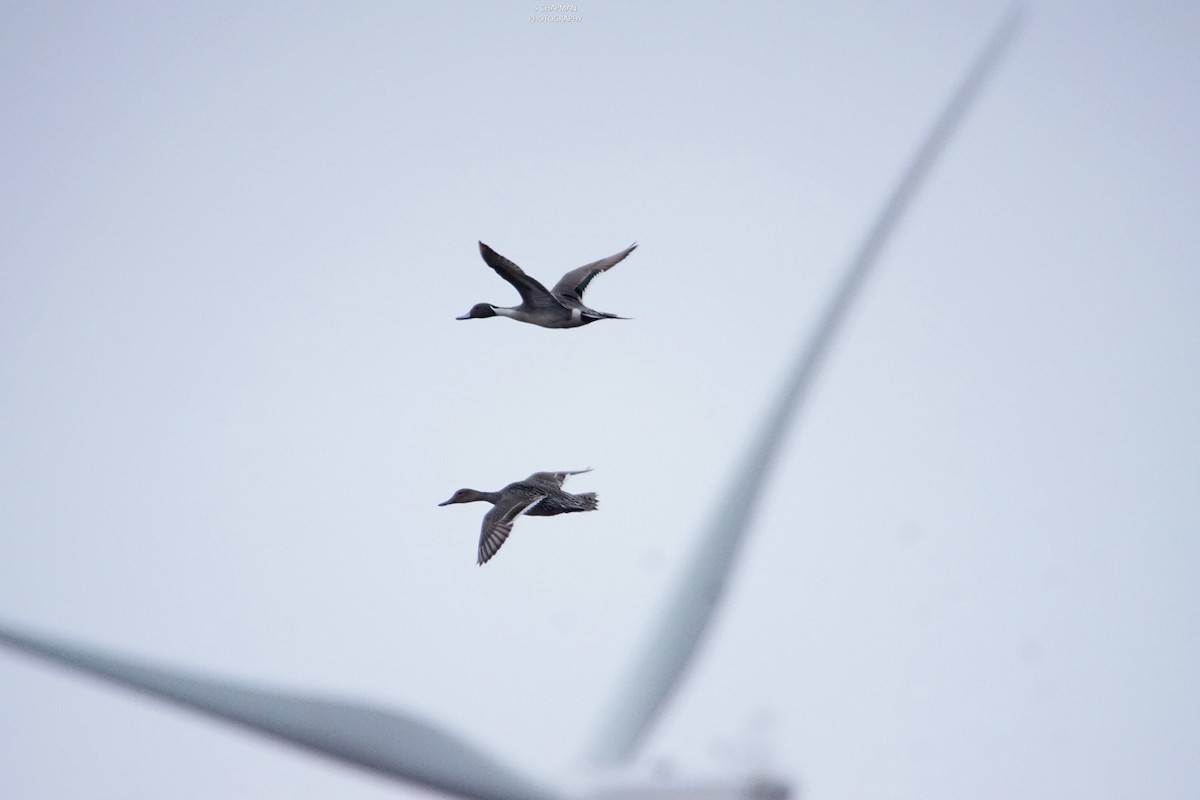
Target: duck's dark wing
<point>497,523</point>
<point>553,480</point>
<point>532,292</point>
<point>572,285</point>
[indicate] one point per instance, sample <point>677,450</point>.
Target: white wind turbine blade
<point>395,745</point>
<point>674,641</point>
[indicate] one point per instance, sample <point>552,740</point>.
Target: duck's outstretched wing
<point>532,292</point>
<point>554,479</point>
<point>498,523</point>
<point>572,285</point>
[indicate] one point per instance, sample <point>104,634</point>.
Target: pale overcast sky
<point>234,239</point>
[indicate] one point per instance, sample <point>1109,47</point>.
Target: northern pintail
<point>560,307</point>
<point>539,495</point>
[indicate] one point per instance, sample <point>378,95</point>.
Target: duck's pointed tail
<point>598,315</point>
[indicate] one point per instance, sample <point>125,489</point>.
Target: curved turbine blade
<point>395,745</point>
<point>666,656</point>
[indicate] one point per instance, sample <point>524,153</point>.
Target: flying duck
<point>539,495</point>
<point>560,307</point>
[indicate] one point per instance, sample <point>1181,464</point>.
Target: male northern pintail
<point>539,495</point>
<point>560,307</point>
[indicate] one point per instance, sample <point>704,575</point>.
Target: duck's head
<point>463,496</point>
<point>479,311</point>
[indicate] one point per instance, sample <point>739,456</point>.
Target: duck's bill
<point>464,316</point>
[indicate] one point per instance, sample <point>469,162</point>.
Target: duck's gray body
<point>560,307</point>
<point>539,495</point>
